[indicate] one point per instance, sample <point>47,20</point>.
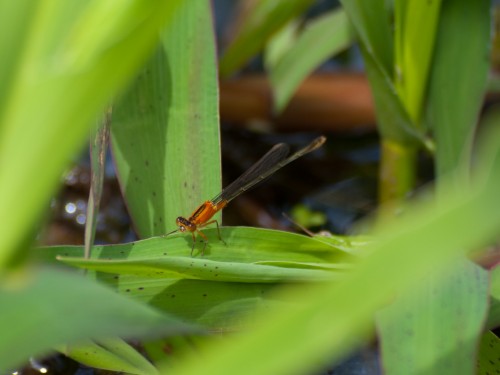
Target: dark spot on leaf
<point>164,253</point>
<point>140,288</point>
<point>146,162</point>
<point>127,290</point>
<point>115,277</point>
<point>185,184</point>
<point>204,295</point>
<point>167,349</point>
<point>154,193</point>
<point>172,296</point>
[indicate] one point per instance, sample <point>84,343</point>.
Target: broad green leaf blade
<point>203,269</point>
<point>243,245</point>
<point>333,319</point>
<point>218,305</point>
<point>53,308</point>
<point>112,354</point>
<point>438,324</point>
<point>322,38</point>
<point>165,131</point>
<point>488,361</point>
<point>63,68</point>
<point>265,18</point>
<point>415,33</point>
<point>456,89</point>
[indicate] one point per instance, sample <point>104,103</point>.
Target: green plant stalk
<point>397,170</point>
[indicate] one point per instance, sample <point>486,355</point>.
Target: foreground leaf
<point>64,61</point>
<point>438,325</point>
<point>79,310</point>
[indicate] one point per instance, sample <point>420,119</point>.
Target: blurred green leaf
<point>166,128</point>
<point>77,309</point>
<point>435,329</point>
<point>64,61</point>
<point>110,354</point>
<point>264,19</point>
<point>280,43</point>
<point>323,37</point>
<point>458,80</point>
<point>306,217</point>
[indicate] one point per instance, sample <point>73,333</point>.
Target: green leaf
<point>435,330</point>
<point>64,61</point>
<point>165,129</point>
<point>215,304</point>
<point>322,38</point>
<point>280,43</point>
<point>110,354</point>
<point>264,19</point>
<point>51,308</point>
<point>456,91</point>
<point>243,245</point>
